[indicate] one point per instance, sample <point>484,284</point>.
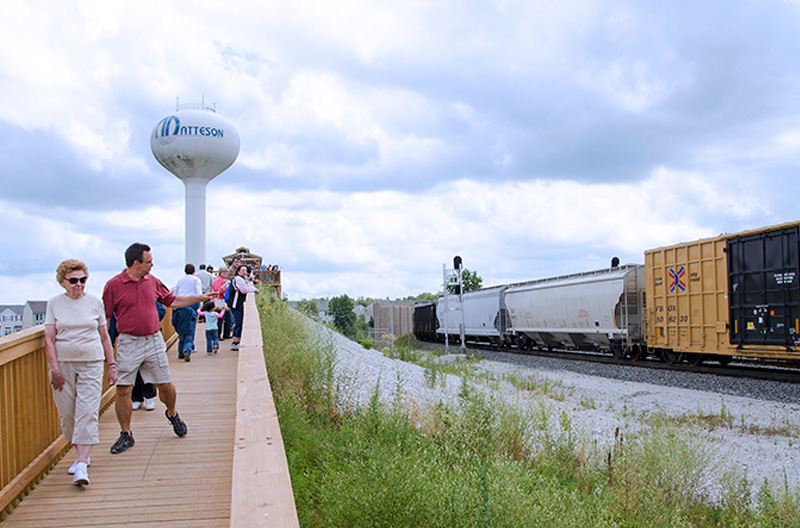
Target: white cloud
<point>532,138</point>
<point>395,242</point>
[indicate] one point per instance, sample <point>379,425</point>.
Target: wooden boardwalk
<point>163,480</point>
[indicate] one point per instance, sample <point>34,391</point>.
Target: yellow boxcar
<point>732,295</point>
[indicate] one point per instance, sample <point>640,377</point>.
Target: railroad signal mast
<point>453,277</point>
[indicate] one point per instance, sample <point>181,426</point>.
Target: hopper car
<point>735,295</point>
<point>483,315</point>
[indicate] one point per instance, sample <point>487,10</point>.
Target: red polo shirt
<point>134,303</point>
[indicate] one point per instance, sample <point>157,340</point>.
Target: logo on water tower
<point>162,129</point>
<point>170,127</point>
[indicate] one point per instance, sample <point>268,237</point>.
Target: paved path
<point>163,480</point>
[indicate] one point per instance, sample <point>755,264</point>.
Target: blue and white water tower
<point>195,144</point>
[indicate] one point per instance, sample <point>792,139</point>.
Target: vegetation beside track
<point>479,462</point>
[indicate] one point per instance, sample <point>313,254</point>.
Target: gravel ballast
<point>761,442</point>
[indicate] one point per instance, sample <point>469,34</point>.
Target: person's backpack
<point>229,294</point>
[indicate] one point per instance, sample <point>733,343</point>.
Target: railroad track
<point>736,369</point>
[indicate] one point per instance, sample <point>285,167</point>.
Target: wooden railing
<point>30,431</point>
<point>29,425</point>
<point>261,494</point>
<point>271,278</point>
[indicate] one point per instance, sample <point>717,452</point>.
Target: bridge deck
<point>163,480</point>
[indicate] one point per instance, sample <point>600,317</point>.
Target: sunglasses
<point>75,280</point>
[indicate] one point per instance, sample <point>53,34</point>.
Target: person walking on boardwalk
<point>218,288</point>
<point>184,320</point>
<point>205,276</point>
<point>131,296</point>
<point>76,342</point>
<point>240,290</point>
<point>212,314</point>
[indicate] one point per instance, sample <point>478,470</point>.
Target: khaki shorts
<point>147,354</point>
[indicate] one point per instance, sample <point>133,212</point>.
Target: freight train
<point>712,299</point>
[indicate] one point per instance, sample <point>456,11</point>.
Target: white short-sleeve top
<point>77,322</point>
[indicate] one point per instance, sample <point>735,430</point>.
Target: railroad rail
<point>737,368</point>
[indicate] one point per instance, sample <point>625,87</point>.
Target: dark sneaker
<point>187,357</point>
<point>178,425</point>
<point>124,441</point>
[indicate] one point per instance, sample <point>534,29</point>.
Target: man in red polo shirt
<point>131,296</point>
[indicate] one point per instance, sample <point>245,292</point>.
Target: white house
<point>322,313</point>
<point>33,313</point>
<point>10,318</point>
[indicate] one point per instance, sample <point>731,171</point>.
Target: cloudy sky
<point>379,139</point>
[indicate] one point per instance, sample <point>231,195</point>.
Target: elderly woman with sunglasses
<point>76,343</point>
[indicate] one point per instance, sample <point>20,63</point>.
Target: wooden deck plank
<point>162,480</point>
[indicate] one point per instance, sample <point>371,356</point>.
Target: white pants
<point>78,401</point>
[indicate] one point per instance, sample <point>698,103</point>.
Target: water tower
<point>196,145</point>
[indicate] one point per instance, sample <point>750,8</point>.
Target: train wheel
<point>695,360</point>
<point>637,353</point>
<point>618,351</point>
<point>670,357</point>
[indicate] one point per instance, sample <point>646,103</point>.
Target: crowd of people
<point>82,330</point>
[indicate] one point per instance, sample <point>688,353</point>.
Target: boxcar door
<point>763,288</point>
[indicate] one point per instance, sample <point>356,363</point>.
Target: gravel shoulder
<point>761,440</point>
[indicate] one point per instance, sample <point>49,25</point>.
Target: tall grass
<point>478,462</point>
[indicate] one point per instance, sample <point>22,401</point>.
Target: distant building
<point>322,313</point>
<point>394,318</point>
<point>10,318</point>
<point>361,311</point>
<point>389,318</point>
<point>33,313</point>
<point>322,310</point>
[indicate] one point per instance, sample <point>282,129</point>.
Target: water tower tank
<point>196,145</point>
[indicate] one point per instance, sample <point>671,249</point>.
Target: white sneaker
<point>149,404</point>
<point>74,465</point>
<point>136,405</point>
<point>81,477</point>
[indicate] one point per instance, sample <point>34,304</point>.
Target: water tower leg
<point>195,221</point>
